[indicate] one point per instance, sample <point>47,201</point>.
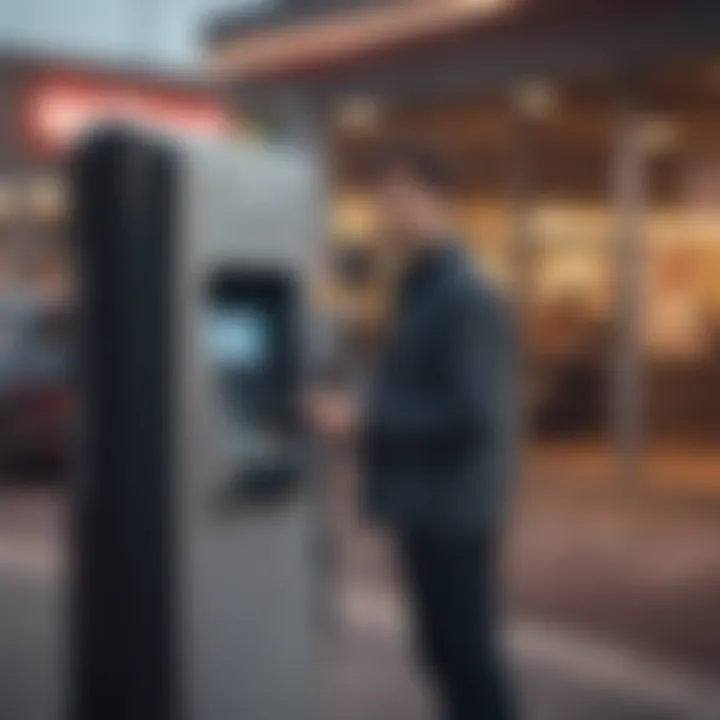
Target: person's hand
<point>332,414</point>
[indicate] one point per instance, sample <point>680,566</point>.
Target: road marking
<point>615,669</point>
<point>590,662</point>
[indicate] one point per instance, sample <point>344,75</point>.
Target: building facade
<point>45,106</point>
<point>587,129</point>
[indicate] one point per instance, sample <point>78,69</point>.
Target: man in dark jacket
<point>436,435</point>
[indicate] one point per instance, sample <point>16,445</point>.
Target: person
<point>435,433</point>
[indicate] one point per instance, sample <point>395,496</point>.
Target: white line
<point>595,664</point>
<point>615,669</point>
<point>598,665</point>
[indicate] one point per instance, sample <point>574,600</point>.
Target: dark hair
<point>423,162</point>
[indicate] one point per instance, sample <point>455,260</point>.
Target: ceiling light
<point>359,114</point>
<point>660,135</point>
<point>536,99</point>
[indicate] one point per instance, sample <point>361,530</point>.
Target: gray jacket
<point>438,440</point>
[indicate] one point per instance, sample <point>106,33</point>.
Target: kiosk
<point>193,583</point>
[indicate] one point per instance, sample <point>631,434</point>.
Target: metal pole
<point>521,188</point>
<point>629,184</point>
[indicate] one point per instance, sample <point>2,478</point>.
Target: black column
<point>123,620</point>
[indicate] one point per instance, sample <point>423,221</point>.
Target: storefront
<point>44,107</point>
<point>590,132</point>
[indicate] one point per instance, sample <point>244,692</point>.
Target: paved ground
<point>642,571</point>
<point>572,660</point>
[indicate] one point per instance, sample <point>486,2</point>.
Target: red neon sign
<point>58,109</point>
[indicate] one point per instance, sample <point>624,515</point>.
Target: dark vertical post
<point>123,616</point>
<point>521,189</point>
<point>628,188</point>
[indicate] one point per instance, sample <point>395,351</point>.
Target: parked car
<point>37,396</point>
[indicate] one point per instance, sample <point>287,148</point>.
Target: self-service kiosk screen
<point>249,334</point>
<point>241,337</point>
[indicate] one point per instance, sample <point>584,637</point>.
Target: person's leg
<point>424,597</point>
<point>453,589</point>
<point>475,669</point>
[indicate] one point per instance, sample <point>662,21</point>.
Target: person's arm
<point>477,350</point>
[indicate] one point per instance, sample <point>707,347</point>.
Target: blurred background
<point>589,133</point>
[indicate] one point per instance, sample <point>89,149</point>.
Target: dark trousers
<point>453,587</point>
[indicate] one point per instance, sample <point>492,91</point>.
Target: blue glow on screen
<point>240,337</point>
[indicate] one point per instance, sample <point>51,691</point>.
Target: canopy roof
<point>335,42</point>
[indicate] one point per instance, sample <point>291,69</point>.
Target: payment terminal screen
<point>241,337</point>
<point>249,335</point>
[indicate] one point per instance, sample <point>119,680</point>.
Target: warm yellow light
<point>536,99</point>
<point>359,114</point>
<point>8,198</point>
<point>660,135</point>
<point>46,198</point>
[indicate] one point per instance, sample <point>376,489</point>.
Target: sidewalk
<point>612,604</point>
<point>554,675</point>
<point>640,571</point>
<point>612,608</point>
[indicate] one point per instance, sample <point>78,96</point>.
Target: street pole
<point>629,188</point>
<point>521,187</point>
